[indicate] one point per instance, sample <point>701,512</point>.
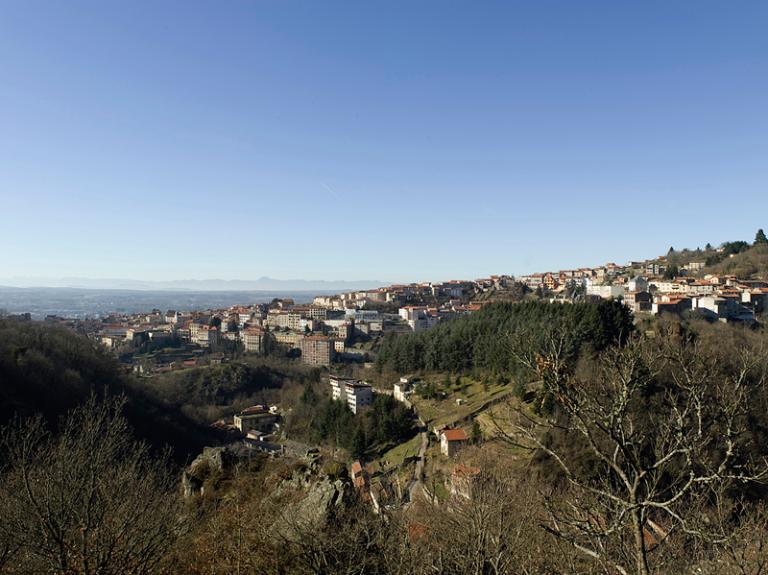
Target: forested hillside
<point>49,370</point>
<point>206,394</point>
<point>482,340</point>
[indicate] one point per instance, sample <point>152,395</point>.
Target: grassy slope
<point>752,263</point>
<point>446,411</point>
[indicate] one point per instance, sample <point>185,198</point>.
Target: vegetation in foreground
<point>650,457</point>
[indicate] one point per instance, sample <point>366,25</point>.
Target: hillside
<point>50,370</point>
<point>750,263</point>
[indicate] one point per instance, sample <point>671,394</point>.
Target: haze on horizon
<point>395,141</point>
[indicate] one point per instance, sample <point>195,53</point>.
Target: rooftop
<point>455,435</point>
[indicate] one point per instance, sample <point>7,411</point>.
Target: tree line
<point>481,341</point>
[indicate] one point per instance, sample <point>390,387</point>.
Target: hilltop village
<point>347,327</point>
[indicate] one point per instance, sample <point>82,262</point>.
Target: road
<point>416,485</point>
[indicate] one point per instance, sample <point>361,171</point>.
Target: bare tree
<point>491,528</point>
<point>88,500</point>
<point>638,436</point>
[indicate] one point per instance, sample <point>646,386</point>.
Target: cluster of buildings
<point>325,331</point>
<point>317,333</point>
<point>646,288</point>
<point>320,332</point>
<point>401,294</point>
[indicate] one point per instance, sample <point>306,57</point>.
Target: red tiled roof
<point>455,435</point>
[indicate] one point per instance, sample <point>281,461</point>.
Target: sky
<point>395,141</point>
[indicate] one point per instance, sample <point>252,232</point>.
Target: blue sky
<point>375,140</point>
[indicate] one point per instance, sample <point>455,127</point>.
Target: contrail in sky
<point>330,190</point>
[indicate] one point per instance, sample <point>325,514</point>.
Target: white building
<point>723,308</point>
<point>605,292</point>
<point>402,389</point>
<point>418,317</point>
<point>638,283</point>
<point>356,394</point>
<point>362,314</point>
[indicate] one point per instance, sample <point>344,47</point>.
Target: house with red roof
<point>452,440</point>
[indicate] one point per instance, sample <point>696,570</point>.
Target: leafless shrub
<point>89,500</point>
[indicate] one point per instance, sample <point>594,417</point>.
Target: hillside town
<point>345,328</point>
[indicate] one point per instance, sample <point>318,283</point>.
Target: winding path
<point>416,485</point>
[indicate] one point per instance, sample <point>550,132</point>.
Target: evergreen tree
<point>760,238</point>
<point>476,435</point>
<point>671,273</point>
<point>359,446</point>
<point>308,396</point>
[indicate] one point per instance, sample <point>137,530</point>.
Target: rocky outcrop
<point>309,502</point>
<point>306,490</point>
<point>212,464</point>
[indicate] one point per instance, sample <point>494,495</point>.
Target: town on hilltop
<point>725,284</point>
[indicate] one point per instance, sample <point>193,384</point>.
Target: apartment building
<point>203,335</point>
<point>317,350</point>
<point>289,338</point>
<point>253,339</point>
<point>356,394</point>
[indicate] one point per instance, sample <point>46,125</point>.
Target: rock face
<point>309,504</point>
<point>307,497</point>
<point>212,462</point>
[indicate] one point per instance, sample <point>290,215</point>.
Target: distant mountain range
<point>261,284</point>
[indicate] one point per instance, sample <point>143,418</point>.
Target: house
<point>655,268</point>
<point>550,281</point>
<point>638,284</point>
<point>111,341</point>
<point>724,308</point>
<point>533,281</point>
<point>256,417</point>
<point>694,266</point>
<point>756,298</point>
<point>402,389</point>
<point>418,318</point>
<point>289,338</point>
<point>452,440</point>
<point>138,334</point>
<point>605,291</point>
<point>203,335</point>
<point>638,301</point>
<point>670,304</point>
